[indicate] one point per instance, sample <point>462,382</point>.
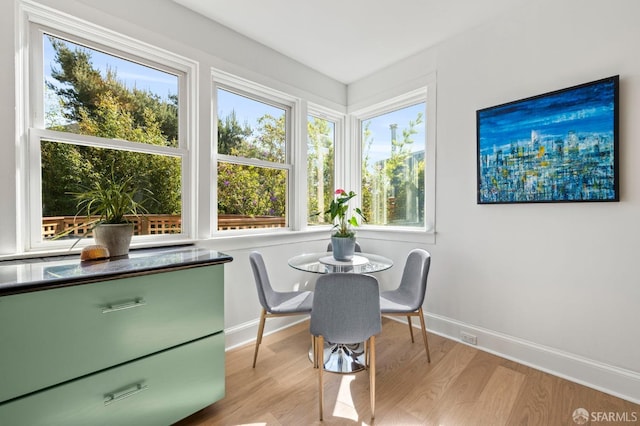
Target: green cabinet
<point>154,342</point>
<point>156,390</point>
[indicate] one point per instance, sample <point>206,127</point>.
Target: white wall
<point>7,130</point>
<point>551,285</point>
<point>554,285</point>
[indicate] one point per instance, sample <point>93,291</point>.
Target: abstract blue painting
<point>556,147</point>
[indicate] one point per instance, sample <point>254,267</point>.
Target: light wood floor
<point>461,386</point>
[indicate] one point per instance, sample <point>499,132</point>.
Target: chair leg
<point>263,317</point>
<point>320,357</point>
<point>367,354</point>
<point>410,327</point>
<point>372,374</point>
<point>314,351</point>
<point>424,333</point>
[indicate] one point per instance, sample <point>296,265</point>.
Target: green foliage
<point>250,190</point>
<point>270,137</point>
<point>67,173</point>
<point>231,134</point>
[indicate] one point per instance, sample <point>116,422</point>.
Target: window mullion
<point>100,142</point>
<point>243,161</point>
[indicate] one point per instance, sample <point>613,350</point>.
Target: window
<point>321,142</point>
<point>394,161</point>
<point>98,103</point>
<point>101,109</point>
<point>254,166</point>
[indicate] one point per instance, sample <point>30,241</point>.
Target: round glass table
<point>341,358</point>
<point>324,263</point>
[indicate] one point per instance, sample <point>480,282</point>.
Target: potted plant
<point>112,200</point>
<point>343,239</point>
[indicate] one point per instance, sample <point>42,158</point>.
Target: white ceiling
<point>349,39</point>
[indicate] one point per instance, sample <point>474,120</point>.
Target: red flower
<point>341,191</point>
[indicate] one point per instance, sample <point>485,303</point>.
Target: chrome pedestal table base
<point>342,358</point>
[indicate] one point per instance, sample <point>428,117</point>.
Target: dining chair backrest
<point>263,285</point>
<point>413,284</point>
<point>346,308</point>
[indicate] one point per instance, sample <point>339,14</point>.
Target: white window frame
<point>35,21</point>
<point>293,119</point>
<point>426,94</point>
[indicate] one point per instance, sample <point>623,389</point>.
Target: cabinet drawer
<point>56,335</point>
<point>157,390</point>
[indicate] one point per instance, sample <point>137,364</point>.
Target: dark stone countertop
<point>26,275</point>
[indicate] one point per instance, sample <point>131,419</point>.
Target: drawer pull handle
<point>119,396</point>
<point>121,306</point>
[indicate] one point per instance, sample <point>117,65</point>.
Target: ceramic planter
<point>115,237</point>
<point>343,248</point>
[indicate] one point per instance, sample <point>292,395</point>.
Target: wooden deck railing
<point>232,221</point>
<point>154,224</point>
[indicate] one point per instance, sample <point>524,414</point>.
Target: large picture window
<point>101,113</point>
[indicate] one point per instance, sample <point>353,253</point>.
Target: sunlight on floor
<point>345,407</point>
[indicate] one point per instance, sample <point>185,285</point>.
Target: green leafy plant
<point>338,210</point>
<point>112,200</point>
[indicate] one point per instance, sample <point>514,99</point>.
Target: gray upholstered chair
<point>357,249</point>
<point>407,299</point>
<point>275,303</point>
<point>346,309</point>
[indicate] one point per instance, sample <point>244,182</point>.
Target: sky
<point>247,110</point>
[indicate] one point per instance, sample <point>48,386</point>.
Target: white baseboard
<point>245,333</point>
<point>615,381</point>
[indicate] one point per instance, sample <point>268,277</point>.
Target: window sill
<point>34,254</point>
<point>252,240</point>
